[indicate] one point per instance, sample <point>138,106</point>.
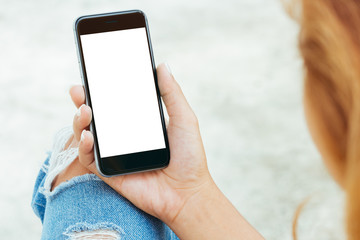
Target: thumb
<point>179,110</point>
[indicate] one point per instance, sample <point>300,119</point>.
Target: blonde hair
<point>329,42</point>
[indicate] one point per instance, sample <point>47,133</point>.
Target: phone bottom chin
<point>126,172</point>
<point>134,162</point>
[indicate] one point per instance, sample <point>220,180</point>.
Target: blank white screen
<point>122,91</point>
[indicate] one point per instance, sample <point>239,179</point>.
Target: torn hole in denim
<point>103,234</point>
<point>60,158</point>
<point>83,231</point>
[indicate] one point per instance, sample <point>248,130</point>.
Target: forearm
<point>210,215</point>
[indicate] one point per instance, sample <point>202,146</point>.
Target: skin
<point>183,195</point>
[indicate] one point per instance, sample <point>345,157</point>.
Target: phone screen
<point>122,90</point>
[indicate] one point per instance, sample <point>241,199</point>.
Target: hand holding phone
<point>113,48</point>
<point>120,82</point>
<point>183,195</point>
<point>161,193</point>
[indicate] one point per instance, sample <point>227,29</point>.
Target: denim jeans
<point>87,208</point>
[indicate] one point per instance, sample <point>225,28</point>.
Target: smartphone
<point>119,77</point>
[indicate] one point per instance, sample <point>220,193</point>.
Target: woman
<point>184,196</point>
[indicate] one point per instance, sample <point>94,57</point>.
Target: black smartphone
<point>119,77</point>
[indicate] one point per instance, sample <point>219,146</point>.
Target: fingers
<point>86,151</point>
<point>176,104</point>
<point>87,160</point>
<point>81,121</point>
<point>86,154</point>
<point>77,95</point>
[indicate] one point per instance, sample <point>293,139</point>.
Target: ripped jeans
<point>87,208</point>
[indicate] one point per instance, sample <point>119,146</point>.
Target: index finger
<point>77,95</point>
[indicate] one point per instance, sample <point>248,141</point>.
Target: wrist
<point>196,207</point>
<point>208,214</point>
<point>183,196</point>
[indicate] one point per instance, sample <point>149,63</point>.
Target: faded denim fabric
<point>87,208</point>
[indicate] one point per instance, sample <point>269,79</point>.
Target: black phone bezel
<point>132,162</point>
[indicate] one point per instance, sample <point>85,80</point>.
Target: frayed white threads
<point>60,158</point>
<point>101,230</point>
<point>101,234</point>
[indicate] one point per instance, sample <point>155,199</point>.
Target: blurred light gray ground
<point>239,67</point>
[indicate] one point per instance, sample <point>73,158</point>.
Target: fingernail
<point>82,135</point>
<point>78,114</point>
<point>168,68</point>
